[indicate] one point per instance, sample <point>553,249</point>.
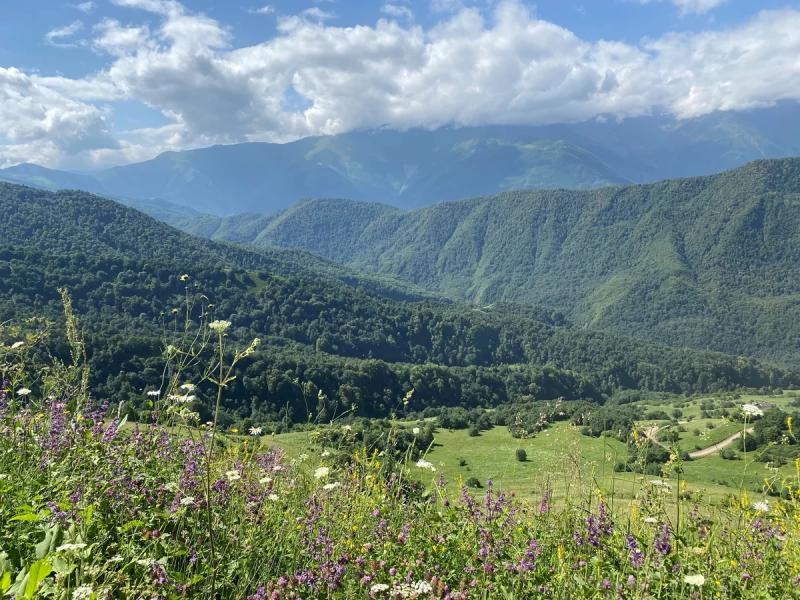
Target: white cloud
<point>86,7</point>
<point>39,124</point>
<point>470,69</point>
<point>691,6</point>
<point>59,37</point>
<point>397,11</point>
<point>267,9</point>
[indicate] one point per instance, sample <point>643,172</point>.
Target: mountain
<point>360,345</point>
<point>708,262</point>
<point>417,168</point>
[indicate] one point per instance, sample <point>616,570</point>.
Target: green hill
<point>363,344</point>
<point>708,262</point>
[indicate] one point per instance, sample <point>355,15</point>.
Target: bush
<point>473,482</point>
<point>522,456</point>
<point>728,454</point>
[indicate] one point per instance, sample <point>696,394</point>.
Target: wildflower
<point>273,496</point>
<point>83,592</point>
<point>255,431</point>
<point>331,486</point>
<point>663,543</point>
<point>187,501</point>
<point>16,345</point>
<point>762,506</point>
<point>219,326</point>
<point>424,464</point>
<point>347,428</point>
<point>325,454</point>
<point>23,391</point>
<point>188,387</point>
<point>651,520</point>
<point>415,431</point>
<point>265,480</point>
<point>233,475</point>
<point>377,588</point>
<point>697,580</point>
<point>752,410</point>
<point>154,393</point>
<point>184,277</point>
<point>321,472</point>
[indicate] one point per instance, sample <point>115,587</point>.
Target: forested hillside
<point>707,262</point>
<point>359,344</point>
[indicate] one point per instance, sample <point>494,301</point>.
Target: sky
<point>94,83</point>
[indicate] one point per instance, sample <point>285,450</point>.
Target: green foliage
<point>363,343</point>
<point>711,262</point>
<point>521,455</point>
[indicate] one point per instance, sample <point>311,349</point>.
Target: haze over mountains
<point>709,262</point>
<point>418,167</point>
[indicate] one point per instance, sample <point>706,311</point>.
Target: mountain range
<point>416,168</point>
<point>360,346</point>
<point>707,262</point>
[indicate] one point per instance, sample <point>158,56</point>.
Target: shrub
<point>522,456</point>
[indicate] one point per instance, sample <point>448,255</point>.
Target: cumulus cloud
<point>472,68</point>
<point>38,124</point>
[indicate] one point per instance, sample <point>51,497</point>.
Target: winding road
<point>650,433</point>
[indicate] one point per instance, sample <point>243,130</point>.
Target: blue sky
<point>86,84</point>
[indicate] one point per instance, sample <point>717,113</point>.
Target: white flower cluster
<point>418,589</point>
<point>752,410</point>
<point>219,326</point>
<point>83,592</point>
<point>424,464</point>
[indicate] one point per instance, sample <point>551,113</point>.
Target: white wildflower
<point>303,456</point>
<point>219,326</point>
<point>83,592</point>
<point>16,345</point>
<point>325,454</point>
<point>154,393</point>
<point>415,431</point>
<point>265,480</point>
<point>23,391</point>
<point>349,428</point>
<point>233,475</point>
<point>761,506</point>
<point>752,410</point>
<point>424,464</point>
<point>331,486</point>
<point>188,387</point>
<point>696,580</point>
<point>186,399</point>
<point>255,431</point>
<point>651,520</point>
<point>145,562</point>
<point>273,497</point>
<point>187,501</point>
<point>377,588</point>
<point>321,472</point>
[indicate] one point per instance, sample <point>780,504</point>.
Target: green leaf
<point>37,574</point>
<point>5,582</point>
<point>25,517</point>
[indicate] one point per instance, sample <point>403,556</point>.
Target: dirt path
<point>652,431</point>
<point>718,446</point>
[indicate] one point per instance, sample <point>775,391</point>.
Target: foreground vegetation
<point>93,507</point>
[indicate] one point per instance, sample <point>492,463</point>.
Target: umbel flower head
<point>219,326</point>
